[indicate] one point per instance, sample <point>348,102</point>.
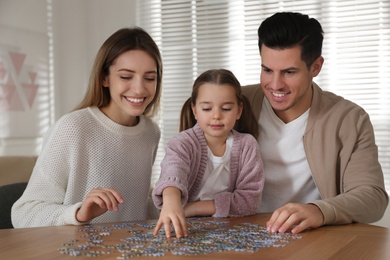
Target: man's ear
<point>317,66</point>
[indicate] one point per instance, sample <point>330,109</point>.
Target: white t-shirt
<point>217,174</point>
<point>288,176</point>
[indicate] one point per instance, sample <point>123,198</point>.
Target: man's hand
<point>97,202</point>
<point>303,216</point>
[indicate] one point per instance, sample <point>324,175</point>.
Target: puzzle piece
<point>205,236</point>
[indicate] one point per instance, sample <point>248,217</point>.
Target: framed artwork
<point>25,94</point>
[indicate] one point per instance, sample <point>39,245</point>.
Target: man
<point>318,149</point>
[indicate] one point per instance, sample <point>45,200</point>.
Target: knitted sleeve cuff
<point>70,215</point>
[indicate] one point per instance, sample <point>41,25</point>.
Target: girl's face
<point>132,82</point>
<point>216,110</point>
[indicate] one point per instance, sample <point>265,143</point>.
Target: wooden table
<point>354,241</point>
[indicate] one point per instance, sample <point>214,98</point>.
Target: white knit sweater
<point>85,150</point>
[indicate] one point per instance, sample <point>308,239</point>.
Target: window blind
<point>197,35</point>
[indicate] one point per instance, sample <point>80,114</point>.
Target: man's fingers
<point>288,223</point>
<point>278,218</point>
<point>297,217</point>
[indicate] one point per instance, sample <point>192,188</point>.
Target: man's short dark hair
<point>287,29</point>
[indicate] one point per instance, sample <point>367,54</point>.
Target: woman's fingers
<point>106,198</point>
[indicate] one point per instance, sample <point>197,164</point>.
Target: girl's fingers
<point>184,227</point>
<point>177,226</point>
<point>180,227</point>
<point>167,227</point>
<point>157,228</point>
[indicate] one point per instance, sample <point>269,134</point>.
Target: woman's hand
<point>97,202</point>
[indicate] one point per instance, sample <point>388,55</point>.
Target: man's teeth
<point>278,94</point>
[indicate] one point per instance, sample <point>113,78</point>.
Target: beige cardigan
<point>340,147</point>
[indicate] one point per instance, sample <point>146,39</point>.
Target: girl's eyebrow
<point>225,103</point>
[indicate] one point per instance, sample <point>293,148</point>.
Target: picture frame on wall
<point>25,94</point>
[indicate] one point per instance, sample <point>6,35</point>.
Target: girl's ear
<point>194,111</point>
<point>239,113</point>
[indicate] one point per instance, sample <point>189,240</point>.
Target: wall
<point>78,27</point>
<point>24,20</point>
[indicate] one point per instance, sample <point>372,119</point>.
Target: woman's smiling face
<point>132,82</point>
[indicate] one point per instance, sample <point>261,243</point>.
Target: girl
<point>210,169</point>
<point>95,164</point>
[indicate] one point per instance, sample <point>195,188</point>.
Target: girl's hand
<point>172,211</point>
<point>97,202</point>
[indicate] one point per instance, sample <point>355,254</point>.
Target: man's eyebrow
<point>290,69</point>
<point>265,67</point>
<point>286,69</point>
